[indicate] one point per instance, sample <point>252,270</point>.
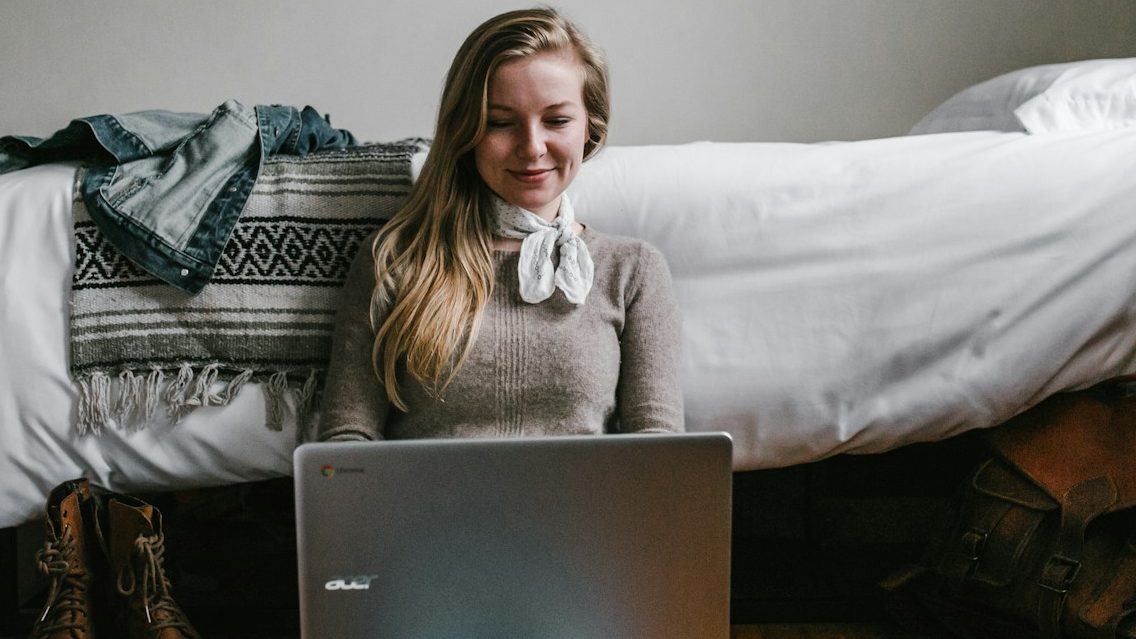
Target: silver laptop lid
<point>611,536</point>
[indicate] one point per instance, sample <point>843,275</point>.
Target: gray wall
<point>683,70</point>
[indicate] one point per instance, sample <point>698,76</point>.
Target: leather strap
<point>961,558</point>
<point>1000,514</point>
<point>1079,506</point>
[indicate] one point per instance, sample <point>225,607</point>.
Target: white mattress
<point>854,297</point>
<point>841,297</point>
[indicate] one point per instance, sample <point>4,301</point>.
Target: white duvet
<point>840,297</point>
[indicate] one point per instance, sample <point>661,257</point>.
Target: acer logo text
<point>361,582</point>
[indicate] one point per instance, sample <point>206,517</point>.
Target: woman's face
<point>536,130</point>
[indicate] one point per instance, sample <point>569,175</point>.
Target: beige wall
<point>683,70</point>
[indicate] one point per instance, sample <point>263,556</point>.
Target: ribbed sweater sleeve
<point>650,393</point>
<point>355,404</point>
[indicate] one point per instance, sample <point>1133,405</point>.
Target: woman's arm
<point>355,405</point>
<point>650,394</point>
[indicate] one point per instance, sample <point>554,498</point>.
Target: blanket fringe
<point>129,395</point>
<point>177,394</point>
<point>304,405</point>
<point>94,403</point>
<point>152,392</point>
<point>140,393</point>
<point>274,393</point>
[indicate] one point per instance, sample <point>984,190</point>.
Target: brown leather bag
<point>1042,542</point>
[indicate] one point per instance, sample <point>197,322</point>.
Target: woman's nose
<point>532,143</point>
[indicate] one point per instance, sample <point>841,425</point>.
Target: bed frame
<point>9,583</point>
<point>810,542</point>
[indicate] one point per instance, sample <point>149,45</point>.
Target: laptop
<point>612,536</point>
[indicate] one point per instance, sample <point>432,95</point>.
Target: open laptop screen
<point>588,536</point>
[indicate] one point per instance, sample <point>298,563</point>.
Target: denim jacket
<point>167,188</point>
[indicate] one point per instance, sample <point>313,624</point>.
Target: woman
<point>483,309</point>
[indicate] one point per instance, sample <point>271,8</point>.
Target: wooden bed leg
<point>19,583</point>
<point>9,583</point>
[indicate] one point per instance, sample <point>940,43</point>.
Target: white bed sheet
<point>858,296</point>
<point>840,297</point>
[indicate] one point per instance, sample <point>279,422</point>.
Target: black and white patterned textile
<point>139,345</point>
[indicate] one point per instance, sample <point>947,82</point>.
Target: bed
<point>842,297</point>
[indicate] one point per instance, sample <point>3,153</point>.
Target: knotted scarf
<point>538,238</point>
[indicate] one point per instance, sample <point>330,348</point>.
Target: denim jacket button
<point>184,272</point>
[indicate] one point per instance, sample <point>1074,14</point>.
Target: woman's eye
<point>497,124</point>
<point>558,121</point>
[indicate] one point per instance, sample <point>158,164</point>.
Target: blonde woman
<point>484,308</point>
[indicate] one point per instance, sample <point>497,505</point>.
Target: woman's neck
<point>513,245</point>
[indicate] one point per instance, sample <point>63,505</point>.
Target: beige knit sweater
<point>553,368</point>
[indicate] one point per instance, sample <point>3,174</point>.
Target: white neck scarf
<point>538,238</point>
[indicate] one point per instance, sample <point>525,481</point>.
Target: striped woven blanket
<point>267,315</point>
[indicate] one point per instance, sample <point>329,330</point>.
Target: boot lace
<point>149,551</point>
<point>67,593</point>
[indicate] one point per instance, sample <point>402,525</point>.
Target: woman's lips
<point>532,176</point>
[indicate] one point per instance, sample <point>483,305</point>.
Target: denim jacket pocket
<point>168,194</point>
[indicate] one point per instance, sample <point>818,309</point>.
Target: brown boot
<point>69,558</point>
<point>130,532</point>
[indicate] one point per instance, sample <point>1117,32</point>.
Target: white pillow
<point>1074,96</point>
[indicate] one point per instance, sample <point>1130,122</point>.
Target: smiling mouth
<point>531,176</point>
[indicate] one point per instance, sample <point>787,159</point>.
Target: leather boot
<point>130,533</point>
<point>69,558</point>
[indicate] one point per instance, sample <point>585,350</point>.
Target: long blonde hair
<point>434,267</point>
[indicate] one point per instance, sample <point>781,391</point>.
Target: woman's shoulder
<point>633,256</point>
<point>617,245</point>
